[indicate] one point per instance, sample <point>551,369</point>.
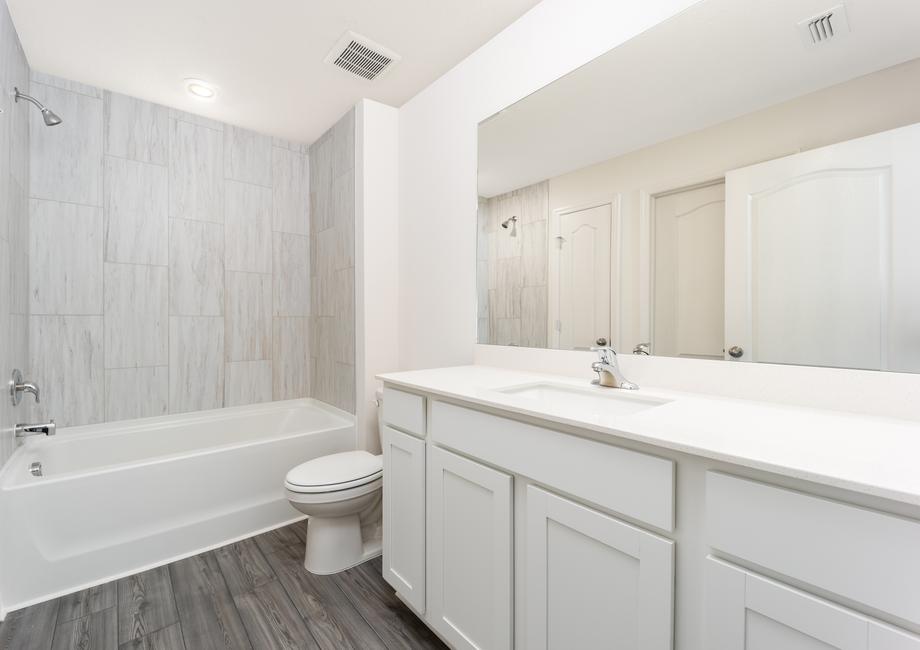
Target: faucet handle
<point>18,387</point>
<point>605,352</point>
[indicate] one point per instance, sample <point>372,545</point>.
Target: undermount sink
<point>588,401</point>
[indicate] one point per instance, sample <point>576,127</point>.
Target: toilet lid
<point>336,471</point>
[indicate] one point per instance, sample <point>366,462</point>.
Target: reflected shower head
<point>510,222</point>
<point>49,117</point>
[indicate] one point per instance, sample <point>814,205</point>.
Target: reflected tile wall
<point>169,258</point>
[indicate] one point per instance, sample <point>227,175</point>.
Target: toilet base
<point>335,544</point>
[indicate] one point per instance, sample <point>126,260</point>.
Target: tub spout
<point>26,430</point>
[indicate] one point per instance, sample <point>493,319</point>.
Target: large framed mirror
<point>741,182</point>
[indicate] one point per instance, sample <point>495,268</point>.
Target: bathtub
<point>122,497</point>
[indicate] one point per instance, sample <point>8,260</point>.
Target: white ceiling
<point>718,60</point>
<point>266,56</point>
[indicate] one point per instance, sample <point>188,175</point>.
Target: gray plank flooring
<point>254,595</point>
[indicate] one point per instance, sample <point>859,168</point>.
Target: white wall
<point>437,143</point>
<point>377,270</point>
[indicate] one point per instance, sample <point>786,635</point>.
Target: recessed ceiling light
<point>200,89</point>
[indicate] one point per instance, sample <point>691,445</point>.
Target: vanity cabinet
<point>404,514</point>
<point>469,552</point>
<point>591,579</point>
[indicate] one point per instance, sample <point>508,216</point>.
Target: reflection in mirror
<point>731,184</point>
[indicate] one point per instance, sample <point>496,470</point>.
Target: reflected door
<point>580,283</point>
<point>689,299</point>
<point>811,244</point>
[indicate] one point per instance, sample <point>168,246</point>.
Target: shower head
<point>510,222</point>
<point>49,117</point>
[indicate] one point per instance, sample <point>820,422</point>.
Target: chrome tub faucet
<point>18,387</point>
<point>45,428</point>
<point>608,370</point>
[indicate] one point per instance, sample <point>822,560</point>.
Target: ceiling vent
<point>827,26</point>
<point>361,56</point>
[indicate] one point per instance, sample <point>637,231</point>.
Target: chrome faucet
<point>26,430</point>
<point>18,387</point>
<point>608,370</point>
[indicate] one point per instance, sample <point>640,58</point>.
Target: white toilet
<point>341,494</point>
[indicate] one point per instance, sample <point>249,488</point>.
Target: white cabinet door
<point>469,552</point>
<point>404,515</point>
<point>593,581</point>
<point>745,611</point>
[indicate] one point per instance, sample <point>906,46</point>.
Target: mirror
<point>741,182</point>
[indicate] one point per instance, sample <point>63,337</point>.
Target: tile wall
<point>511,273</point>
<point>170,260</point>
<point>14,228</point>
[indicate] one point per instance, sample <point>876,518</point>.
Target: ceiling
<point>265,56</point>
<point>716,61</point>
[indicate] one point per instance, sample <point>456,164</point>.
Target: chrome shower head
<point>510,222</point>
<point>49,117</point>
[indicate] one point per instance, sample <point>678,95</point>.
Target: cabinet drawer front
<point>404,411</point>
<point>865,556</point>
<point>592,578</point>
<point>404,515</point>
<point>745,611</point>
<point>636,485</point>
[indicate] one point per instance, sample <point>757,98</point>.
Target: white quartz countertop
<point>871,455</point>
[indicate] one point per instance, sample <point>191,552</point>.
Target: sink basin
<point>584,402</point>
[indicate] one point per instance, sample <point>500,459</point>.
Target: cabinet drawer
<point>404,411</point>
<point>865,556</point>
<point>636,485</point>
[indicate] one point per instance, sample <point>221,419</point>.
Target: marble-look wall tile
<point>65,84</point>
<point>136,393</point>
<point>507,331</point>
<point>343,206</point>
<point>136,303</point>
<point>196,268</point>
<point>321,160</point>
<point>196,363</point>
<point>66,161</point>
<point>344,296</point>
<point>67,362</point>
<point>533,317</point>
<point>343,158</point>
<point>291,264</point>
<point>296,147</point>
<point>290,358</point>
<point>19,240</point>
<point>196,180</point>
<point>65,250</point>
<point>135,212</point>
<point>135,129</point>
<point>291,192</point>
<point>322,254</point>
<point>344,390</point>
<point>248,382</point>
<point>249,227</point>
<point>248,323</point>
<point>247,156</point>
<point>534,253</point>
<point>534,202</point>
<point>198,120</point>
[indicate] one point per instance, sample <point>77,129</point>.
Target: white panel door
<point>689,273</point>
<point>820,255</point>
<point>745,611</point>
<point>593,581</point>
<point>404,515</point>
<point>469,552</point>
<point>580,277</point>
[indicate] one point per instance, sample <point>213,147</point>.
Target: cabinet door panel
<point>404,515</point>
<point>593,581</point>
<point>469,552</point>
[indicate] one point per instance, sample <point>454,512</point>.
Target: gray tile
<point>30,628</point>
<point>243,566</point>
<point>249,316</point>
<point>507,331</point>
<point>66,161</point>
<point>135,212</point>
<point>271,621</point>
<point>344,396</point>
<point>291,192</point>
<point>196,268</point>
<point>291,264</point>
<point>19,251</point>
<point>65,257</point>
<point>247,156</point>
<point>534,253</point>
<point>65,84</point>
<point>322,379</point>
<point>194,118</point>
<point>136,303</point>
<point>248,382</point>
<point>87,601</point>
<point>196,181</point>
<point>290,358</point>
<point>343,159</point>
<point>322,254</point>
<point>344,220</point>
<point>249,227</point>
<point>145,604</point>
<point>534,317</point>
<point>136,393</point>
<point>135,129</point>
<point>98,631</point>
<point>167,638</point>
<point>344,298</point>
<point>196,363</point>
<point>67,362</point>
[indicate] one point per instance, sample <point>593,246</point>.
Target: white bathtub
<point>123,497</point>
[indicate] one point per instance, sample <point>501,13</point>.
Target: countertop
<point>871,455</point>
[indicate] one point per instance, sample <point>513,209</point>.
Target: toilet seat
<point>335,473</point>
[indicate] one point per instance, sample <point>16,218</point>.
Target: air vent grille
<point>361,56</point>
<point>822,28</point>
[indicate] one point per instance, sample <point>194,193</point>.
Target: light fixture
<point>200,89</point>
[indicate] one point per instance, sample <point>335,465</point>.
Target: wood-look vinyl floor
<point>253,595</point>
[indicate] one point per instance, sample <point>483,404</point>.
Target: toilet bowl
<point>341,495</point>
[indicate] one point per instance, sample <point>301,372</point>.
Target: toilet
<point>341,494</point>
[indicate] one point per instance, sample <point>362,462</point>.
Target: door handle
<point>736,351</point>
<point>601,342</point>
